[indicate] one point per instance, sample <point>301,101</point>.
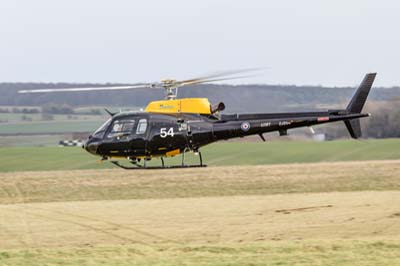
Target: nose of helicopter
<point>91,146</point>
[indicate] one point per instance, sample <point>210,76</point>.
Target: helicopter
<point>175,126</point>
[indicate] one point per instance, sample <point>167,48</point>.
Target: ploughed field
<point>327,213</point>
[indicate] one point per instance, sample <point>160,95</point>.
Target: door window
<point>142,126</point>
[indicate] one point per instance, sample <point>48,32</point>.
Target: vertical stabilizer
<point>360,96</point>
<point>357,103</point>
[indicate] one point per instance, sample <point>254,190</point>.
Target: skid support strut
<point>137,166</point>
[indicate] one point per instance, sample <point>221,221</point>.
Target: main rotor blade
<point>128,87</point>
<point>217,79</point>
<point>219,76</point>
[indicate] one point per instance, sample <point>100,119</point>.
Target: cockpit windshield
<point>99,133</point>
<point>121,128</point>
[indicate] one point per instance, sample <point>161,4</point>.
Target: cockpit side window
<point>142,126</point>
<point>120,128</point>
<point>99,133</point>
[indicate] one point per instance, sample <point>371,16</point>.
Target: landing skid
<point>143,166</point>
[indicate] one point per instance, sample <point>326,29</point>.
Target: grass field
<point>50,127</point>
<point>218,154</point>
<point>20,123</point>
<point>32,140</point>
<point>118,184</point>
<point>331,203</point>
<point>60,124</point>
<point>343,213</point>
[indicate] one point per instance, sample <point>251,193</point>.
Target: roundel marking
<point>245,126</point>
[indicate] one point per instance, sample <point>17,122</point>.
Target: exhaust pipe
<point>217,108</point>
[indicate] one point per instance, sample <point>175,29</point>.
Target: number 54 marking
<point>165,133</point>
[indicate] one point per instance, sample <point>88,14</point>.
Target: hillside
<point>248,98</point>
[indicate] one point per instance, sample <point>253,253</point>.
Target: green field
<point>50,127</point>
<point>33,140</point>
<point>19,123</point>
<point>218,154</point>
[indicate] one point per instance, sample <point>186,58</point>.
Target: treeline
<point>17,110</point>
<point>50,108</point>
<point>384,121</point>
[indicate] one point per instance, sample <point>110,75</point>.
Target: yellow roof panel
<point>186,105</point>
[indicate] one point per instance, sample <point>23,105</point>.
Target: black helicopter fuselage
<point>138,135</point>
<point>151,134</point>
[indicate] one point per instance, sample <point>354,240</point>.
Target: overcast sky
<point>310,42</point>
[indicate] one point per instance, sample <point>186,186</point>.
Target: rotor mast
<point>171,88</point>
<point>172,93</point>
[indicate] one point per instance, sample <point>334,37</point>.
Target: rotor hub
<point>171,88</point>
